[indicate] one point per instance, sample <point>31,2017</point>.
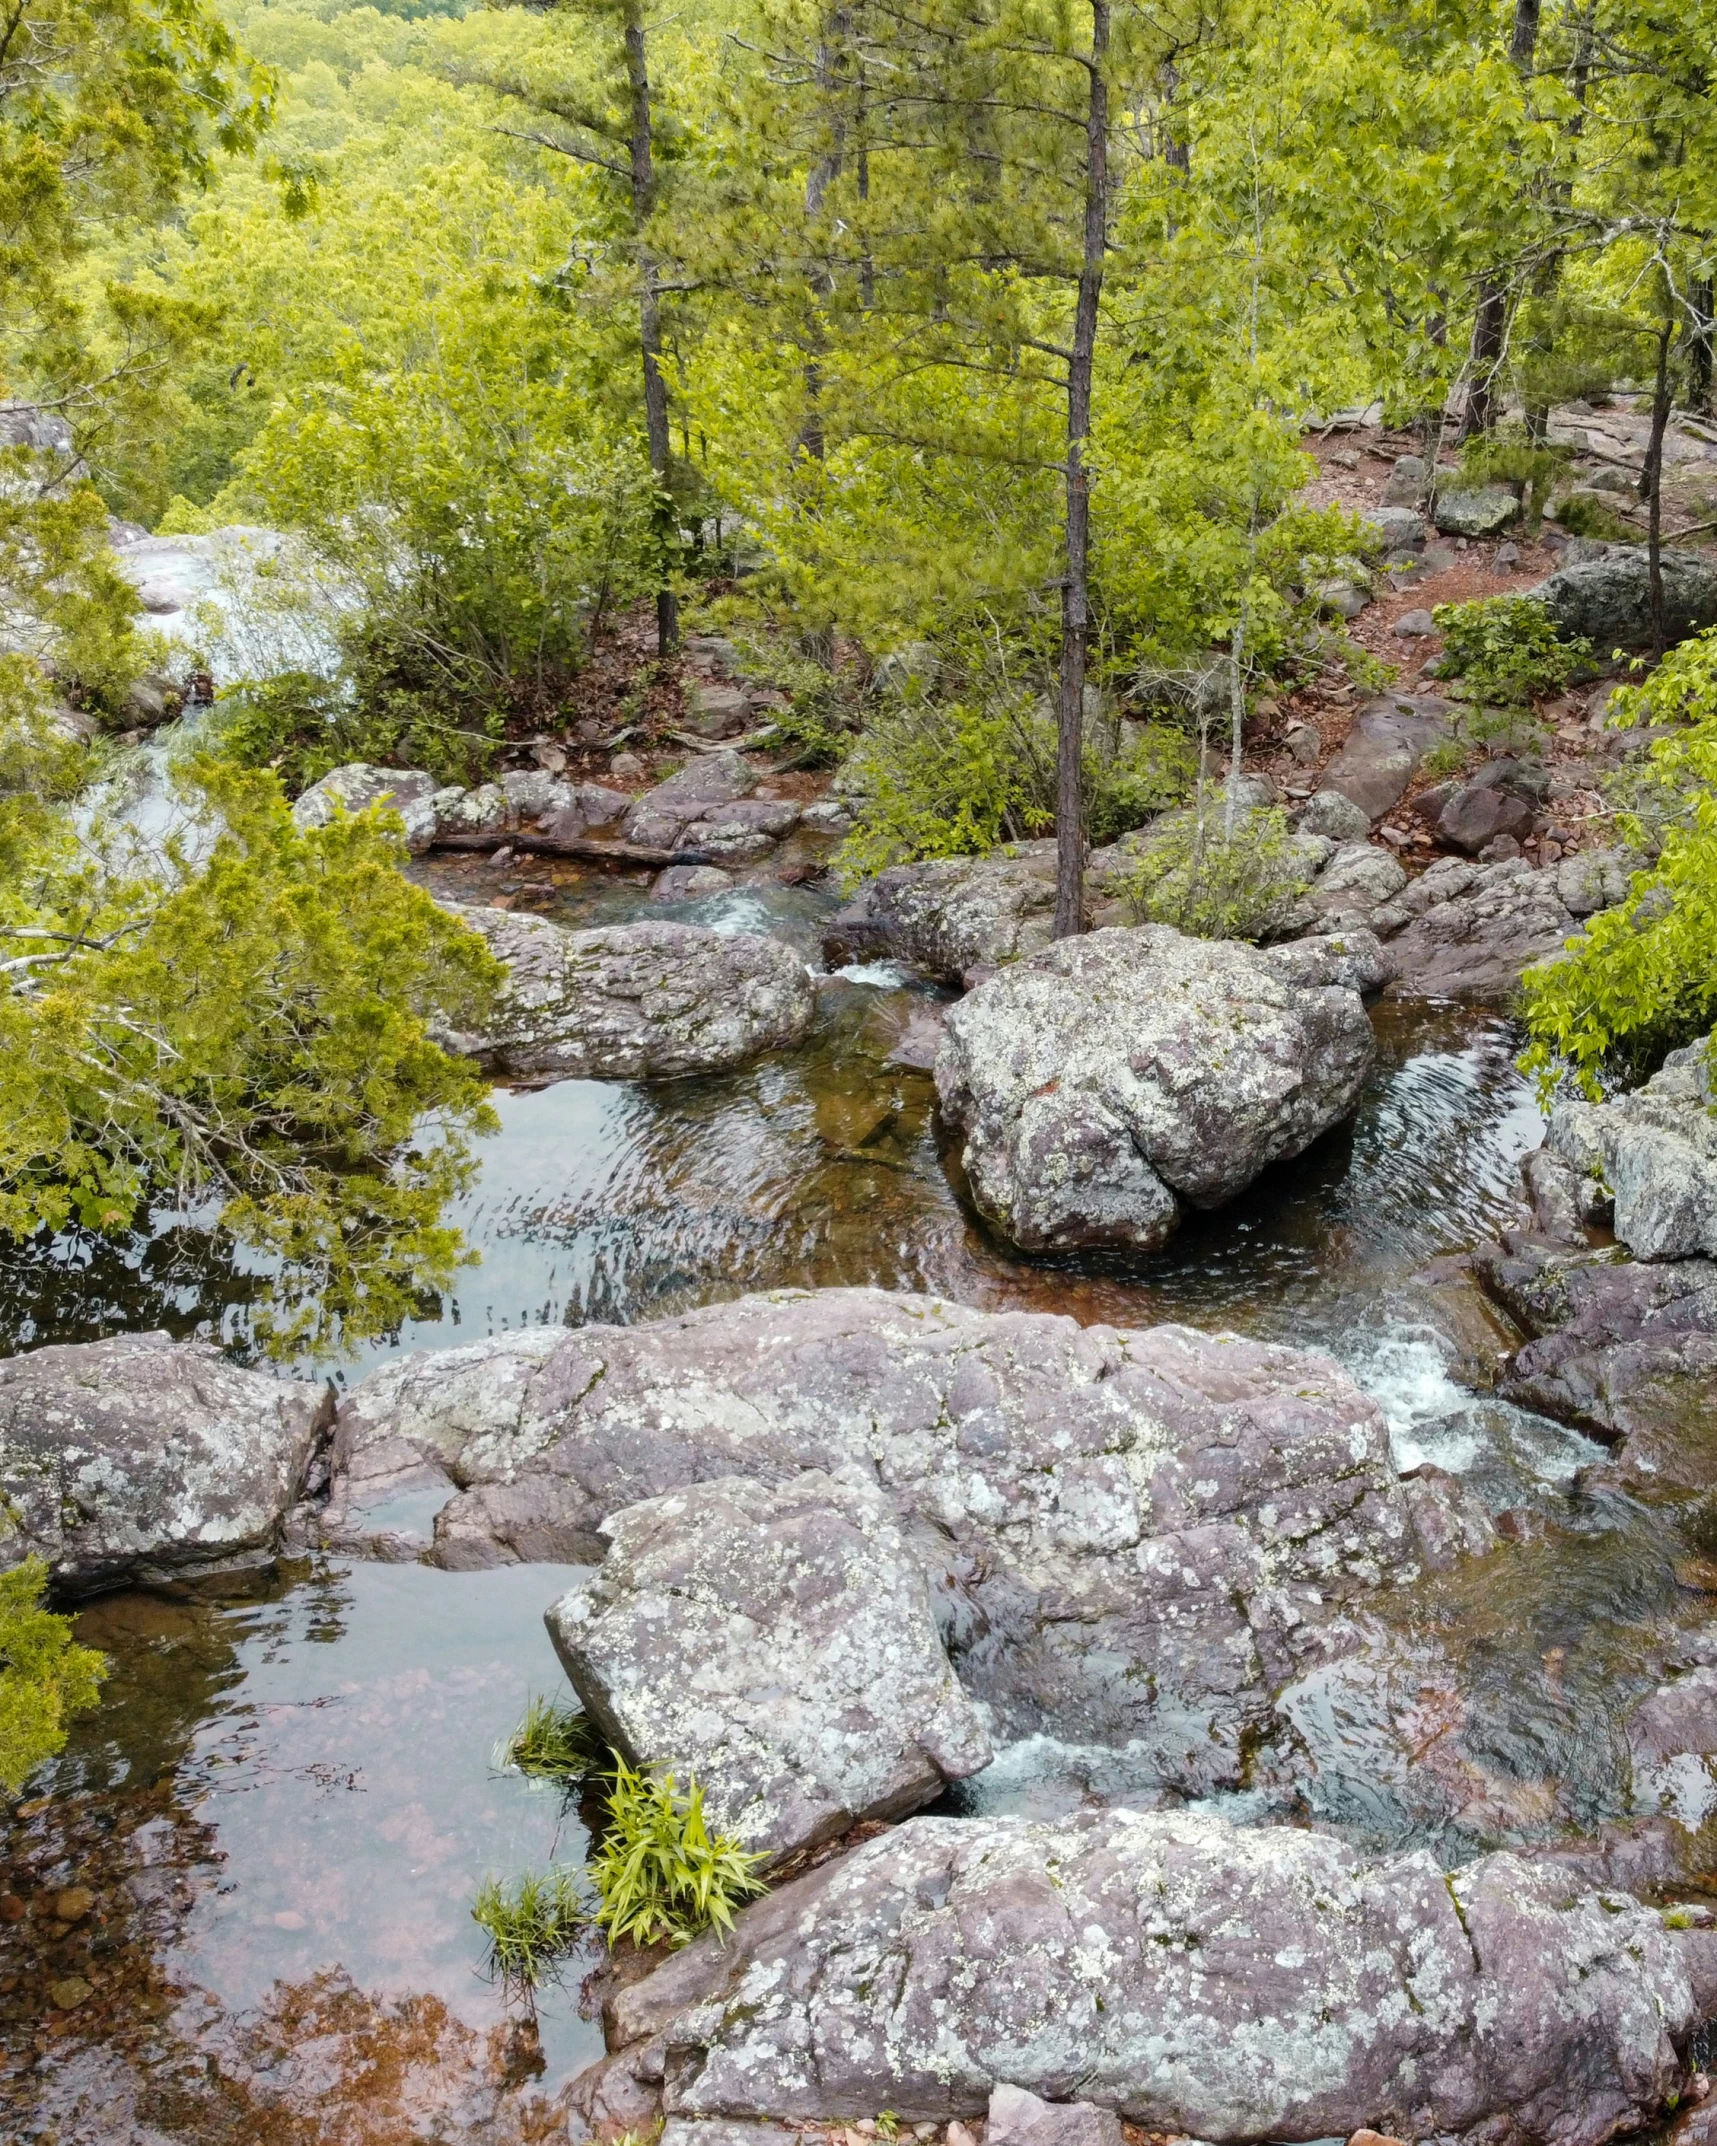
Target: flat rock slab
<point>635,1001</point>
<point>1128,1537</point>
<point>706,783</point>
<point>1110,1082</point>
<point>779,1644</point>
<point>137,1453</point>
<point>1191,1976</point>
<point>1656,1150</point>
<point>1388,740</point>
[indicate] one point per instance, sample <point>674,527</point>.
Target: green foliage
<point>1641,979</point>
<point>530,1924</point>
<point>1147,776</point>
<point>557,1740</point>
<point>73,615</point>
<point>931,780</point>
<point>1505,648</point>
<point>659,1872</point>
<point>302,725</point>
<point>1189,876</point>
<point>1584,514</point>
<point>44,1677</point>
<point>250,1031</point>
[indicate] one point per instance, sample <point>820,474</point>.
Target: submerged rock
<point>1191,1976</point>
<point>1656,1151</point>
<point>1129,1537</point>
<point>635,1001</point>
<point>778,1643</point>
<point>1110,1082</point>
<point>122,1457</point>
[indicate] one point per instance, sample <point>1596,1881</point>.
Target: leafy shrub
<point>44,1676</point>
<point>1210,888</point>
<point>1641,979</point>
<point>1506,649</point>
<point>1145,778</point>
<point>556,1740</point>
<point>301,725</point>
<point>530,1924</point>
<point>1583,514</point>
<point>660,1873</point>
<point>944,781</point>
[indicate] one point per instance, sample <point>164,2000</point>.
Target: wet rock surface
<point>1129,1537</point>
<point>1655,1150</point>
<point>128,1456</point>
<point>634,1001</point>
<point>779,1645</point>
<point>1194,1977</point>
<point>1109,1082</point>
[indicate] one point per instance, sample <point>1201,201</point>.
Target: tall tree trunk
<point>650,318</point>
<point>1651,483</point>
<point>1701,335</point>
<point>819,642</point>
<point>1075,588</point>
<point>1490,323</point>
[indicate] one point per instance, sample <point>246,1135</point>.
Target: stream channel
<point>289,1792</point>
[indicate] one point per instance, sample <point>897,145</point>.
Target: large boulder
<point>1130,1538</point>
<point>635,1001</point>
<point>1110,1082</point>
<point>1469,930</point>
<point>777,1642</point>
<point>124,1457</point>
<point>951,916</point>
<point>1478,510</point>
<point>1194,1977</point>
<point>1608,601</point>
<point>1656,1150</point>
<point>707,783</point>
<point>1380,753</point>
<point>357,786</point>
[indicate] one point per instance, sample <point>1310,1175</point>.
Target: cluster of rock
<point>1622,1336</point>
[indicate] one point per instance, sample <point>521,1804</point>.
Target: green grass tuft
<point>558,1740</point>
<point>530,1923</point>
<point>660,1873</point>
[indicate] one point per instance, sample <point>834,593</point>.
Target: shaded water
<point>287,1800</point>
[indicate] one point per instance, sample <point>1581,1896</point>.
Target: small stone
<point>1507,558</point>
<point>1500,850</point>
<point>1375,2138</point>
<point>1396,837</point>
<point>67,1995</point>
<point>1305,742</point>
<point>1021,2119</point>
<point>958,2135</point>
<point>1332,814</point>
<point>12,1909</point>
<point>626,767</point>
<point>1413,625</point>
<point>549,756</point>
<point>74,1903</point>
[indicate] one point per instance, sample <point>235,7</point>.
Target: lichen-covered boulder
<point>952,915</point>
<point>1110,1082</point>
<point>635,1001</point>
<point>1194,1977</point>
<point>138,1453</point>
<point>705,785</point>
<point>778,1643</point>
<point>357,786</point>
<point>1608,600</point>
<point>1130,1538</point>
<point>1656,1150</point>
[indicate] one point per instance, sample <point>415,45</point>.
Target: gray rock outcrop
<point>642,1001</point>
<point>1469,930</point>
<point>1608,601</point>
<point>1193,1977</point>
<point>1130,1538</point>
<point>1110,1082</point>
<point>777,1642</point>
<point>123,1457</point>
<point>1474,511</point>
<point>952,915</point>
<point>357,786</point>
<point>704,807</point>
<point>1656,1151</point>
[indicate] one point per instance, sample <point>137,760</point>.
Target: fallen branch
<point>576,846</point>
<point>752,743</point>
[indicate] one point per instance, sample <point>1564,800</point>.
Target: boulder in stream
<point>952,915</point>
<point>647,1001</point>
<point>777,1642</point>
<point>1110,1082</point>
<point>125,1457</point>
<point>358,786</point>
<point>1656,1150</point>
<point>1191,1976</point>
<point>1129,1538</point>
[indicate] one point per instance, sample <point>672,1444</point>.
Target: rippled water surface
<point>287,1798</point>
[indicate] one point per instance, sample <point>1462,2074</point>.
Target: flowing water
<point>289,1794</point>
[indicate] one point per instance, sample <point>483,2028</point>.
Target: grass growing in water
<point>530,1923</point>
<point>660,1873</point>
<point>558,1740</point>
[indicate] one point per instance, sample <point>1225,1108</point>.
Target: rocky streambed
<point>1240,1690</point>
